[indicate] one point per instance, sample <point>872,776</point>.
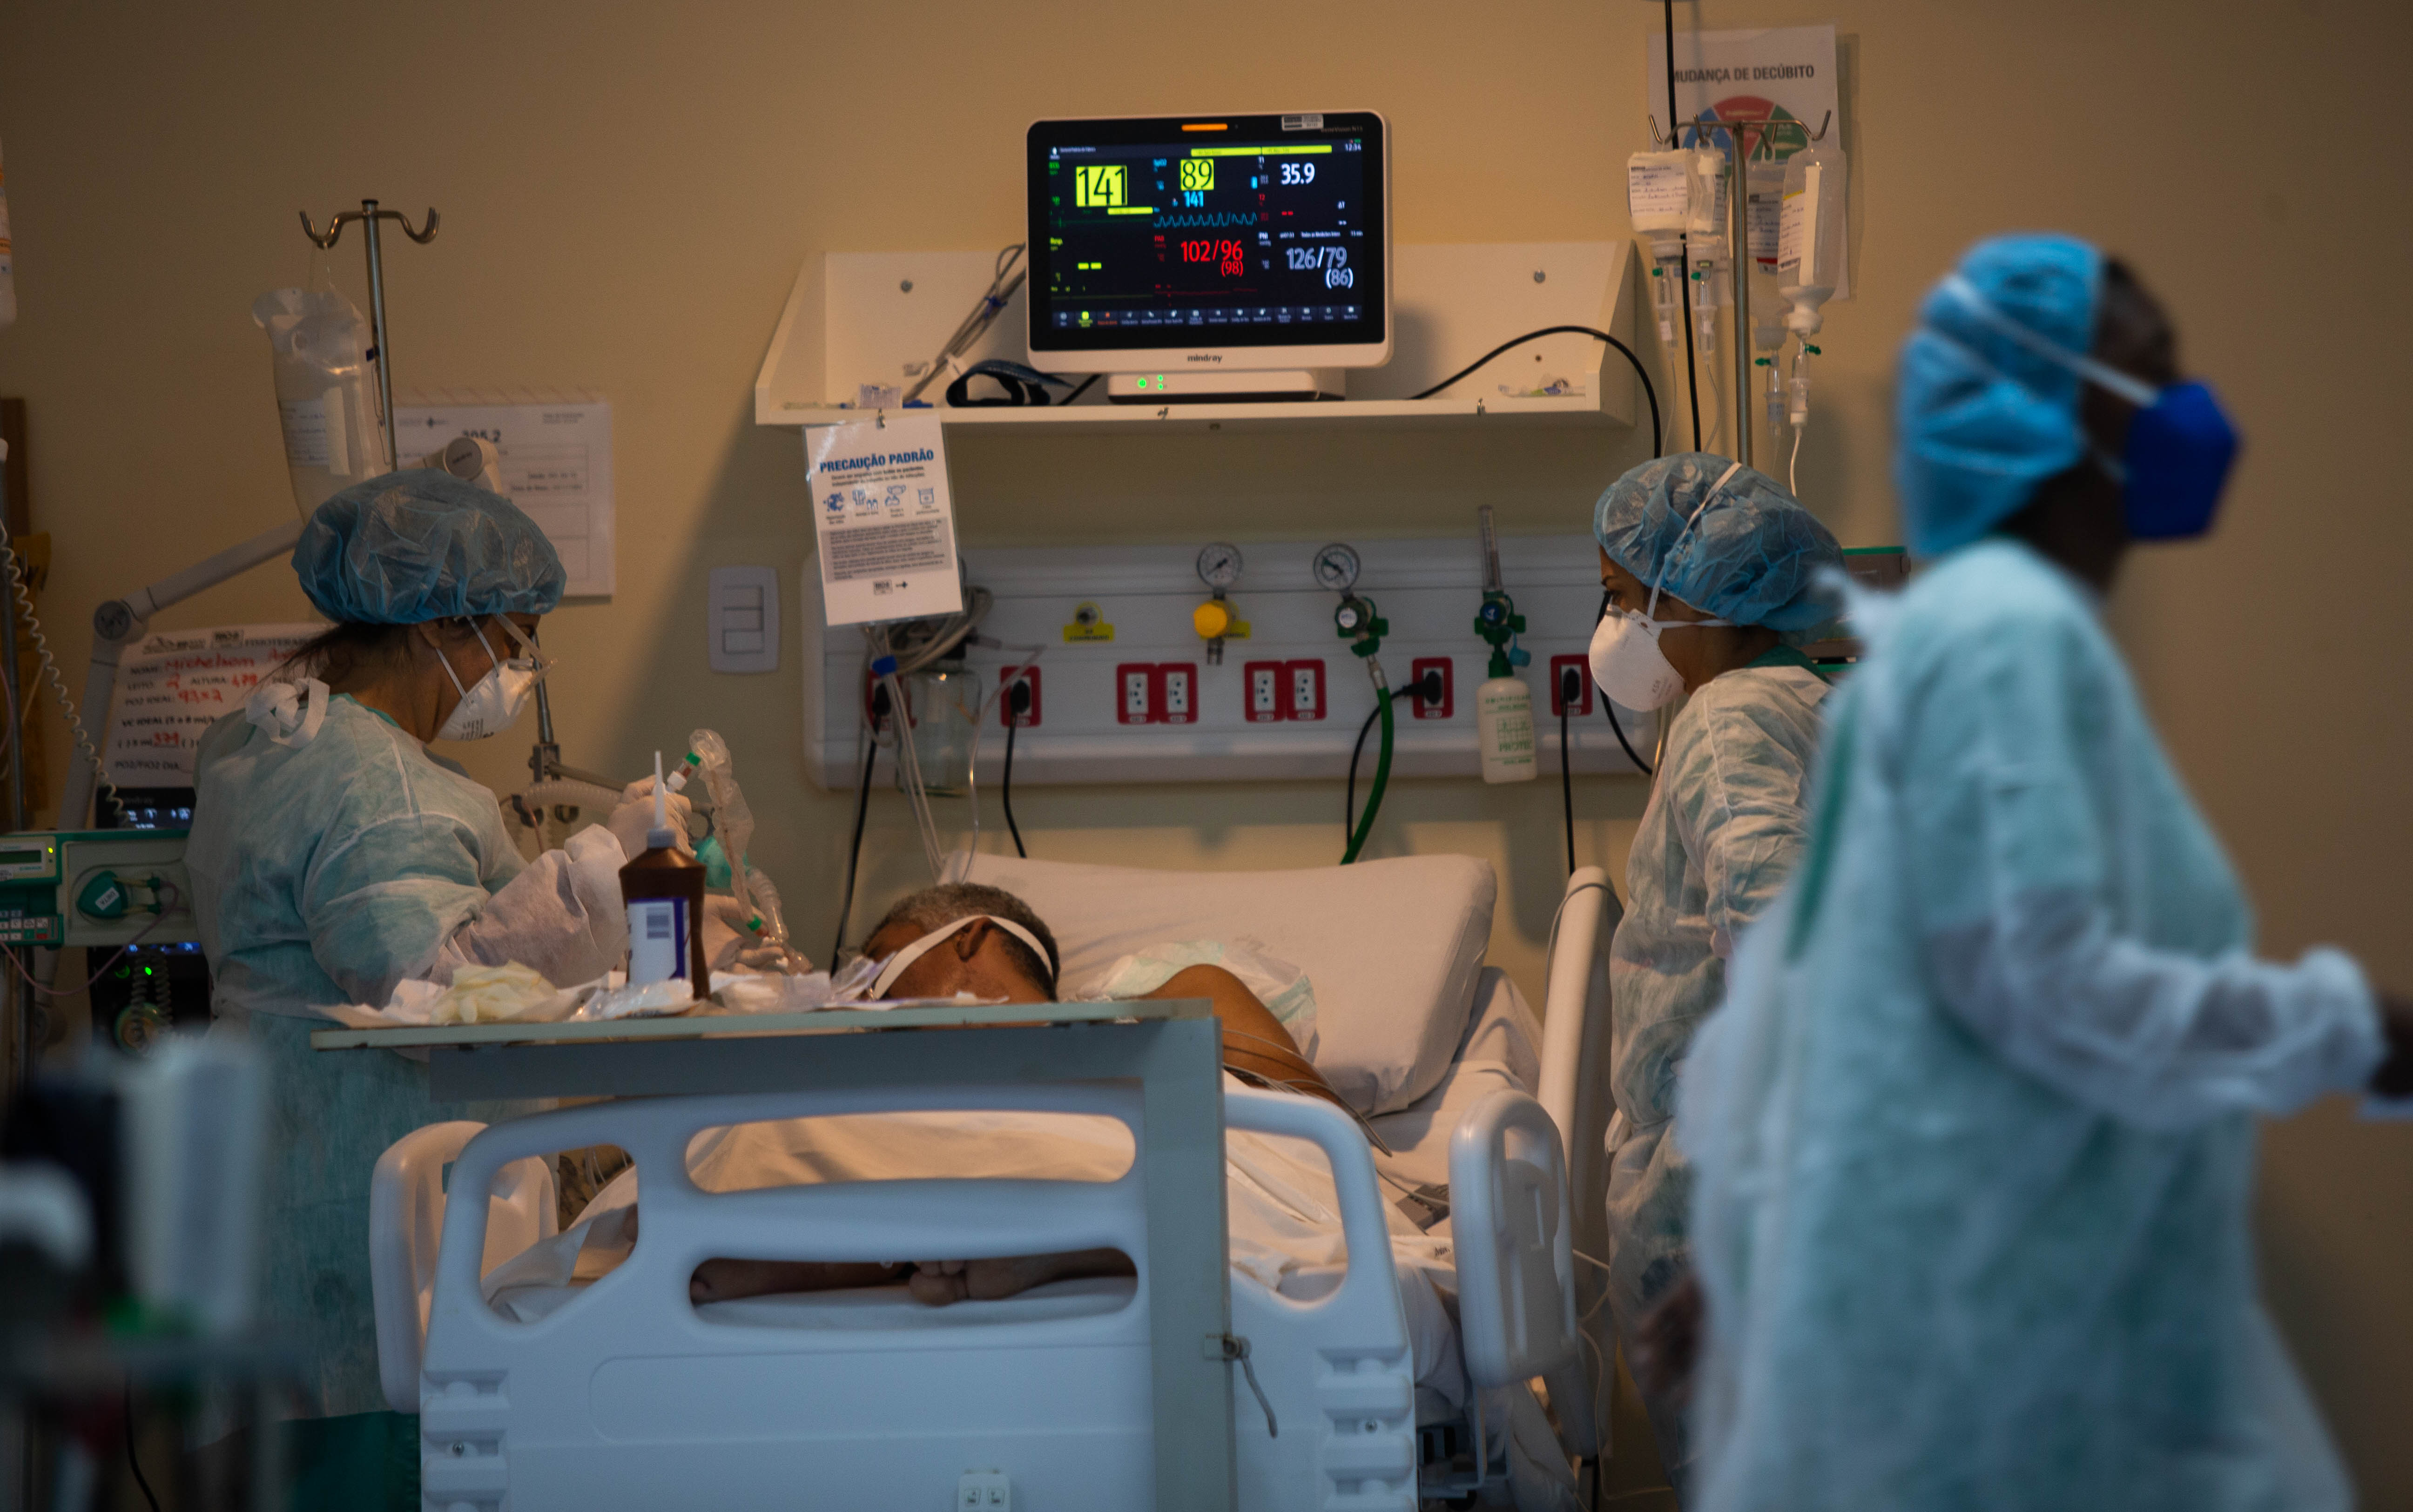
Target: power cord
<point>1639,371</point>
<point>1428,688</point>
<point>1018,702</point>
<point>1676,139</point>
<point>131,1462</point>
<point>1570,688</point>
<point>862,806</point>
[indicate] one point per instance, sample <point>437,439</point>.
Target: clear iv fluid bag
<point>327,399</point>
<point>1810,235</point>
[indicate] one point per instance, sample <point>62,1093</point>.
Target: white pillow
<point>1393,947</point>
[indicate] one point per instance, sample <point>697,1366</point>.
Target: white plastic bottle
<point>1503,730</point>
<point>1810,235</point>
<point>7,259</point>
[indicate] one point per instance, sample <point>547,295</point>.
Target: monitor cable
<point>1649,391</point>
<point>1674,139</point>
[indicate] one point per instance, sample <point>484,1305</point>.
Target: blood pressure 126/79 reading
<point>1241,238</point>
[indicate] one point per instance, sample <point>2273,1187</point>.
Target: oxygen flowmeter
<point>1219,568</point>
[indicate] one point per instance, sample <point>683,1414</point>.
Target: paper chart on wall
<point>557,462</point>
<point>174,684</point>
<point>885,519</point>
<point>1773,85</point>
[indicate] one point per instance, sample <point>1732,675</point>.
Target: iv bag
<point>326,391</point>
<point>1683,190</point>
<point>1810,234</point>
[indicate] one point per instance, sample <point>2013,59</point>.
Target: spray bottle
<point>664,891</point>
<point>1503,706</point>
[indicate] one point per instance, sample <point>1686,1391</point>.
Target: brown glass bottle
<point>663,890</point>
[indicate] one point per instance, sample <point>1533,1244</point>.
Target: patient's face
<point>976,961</point>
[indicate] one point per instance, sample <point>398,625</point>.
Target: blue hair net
<point>421,545</point>
<point>1979,421</point>
<point>1751,555</point>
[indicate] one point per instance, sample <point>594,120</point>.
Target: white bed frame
<point>628,1396</point>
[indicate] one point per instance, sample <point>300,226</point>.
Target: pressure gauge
<point>1336,568</point>
<point>1218,565</point>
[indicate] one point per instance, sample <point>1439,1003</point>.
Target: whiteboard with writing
<point>174,684</point>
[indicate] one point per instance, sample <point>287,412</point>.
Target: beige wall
<point>627,190</point>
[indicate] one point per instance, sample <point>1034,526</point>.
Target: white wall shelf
<point>856,318</point>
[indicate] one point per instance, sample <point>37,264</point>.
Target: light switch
<point>741,619</point>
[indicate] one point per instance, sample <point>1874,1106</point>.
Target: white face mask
<point>1625,658</point>
<point>494,703</point>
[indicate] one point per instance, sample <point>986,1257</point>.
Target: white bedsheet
<point>1284,1214</point>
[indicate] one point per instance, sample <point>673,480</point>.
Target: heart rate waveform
<point>1207,220</point>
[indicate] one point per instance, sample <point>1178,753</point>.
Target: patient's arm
<point>1254,1041</point>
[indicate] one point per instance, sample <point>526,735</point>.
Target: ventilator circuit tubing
<point>1648,392</point>
<point>1381,776</point>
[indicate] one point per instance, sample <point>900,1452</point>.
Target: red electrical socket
<point>1176,692</point>
<point>1303,688</point>
<point>1007,677</point>
<point>1135,694</point>
<point>1557,684</point>
<point>1441,707</point>
<point>1265,691</point>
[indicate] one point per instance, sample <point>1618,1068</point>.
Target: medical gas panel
<point>1129,687</point>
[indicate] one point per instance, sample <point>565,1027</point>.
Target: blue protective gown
<point>1721,834</point>
<point>1973,1137</point>
<point>324,873</point>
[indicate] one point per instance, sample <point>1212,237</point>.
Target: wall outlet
<point>1006,679</point>
<point>1264,689</point>
<point>1135,682</point>
<point>1177,692</point>
<point>987,1490</point>
<point>1305,679</point>
<point>1558,681</point>
<point>1444,706</point>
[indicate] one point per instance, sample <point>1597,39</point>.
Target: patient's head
<point>980,958</point>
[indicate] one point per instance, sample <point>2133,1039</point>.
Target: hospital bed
<point>625,1394</point>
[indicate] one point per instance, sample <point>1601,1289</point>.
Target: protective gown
<point>326,868</point>
<point>1973,1137</point>
<point>1722,832</point>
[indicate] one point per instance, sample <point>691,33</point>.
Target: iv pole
<point>368,215</point>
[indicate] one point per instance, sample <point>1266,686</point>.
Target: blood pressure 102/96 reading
<point>1260,235</point>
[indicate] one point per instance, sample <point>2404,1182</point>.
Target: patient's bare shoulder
<point>1210,982</point>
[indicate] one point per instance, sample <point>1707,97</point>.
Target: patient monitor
<point>1211,257</point>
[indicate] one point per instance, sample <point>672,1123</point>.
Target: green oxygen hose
<point>1382,776</point>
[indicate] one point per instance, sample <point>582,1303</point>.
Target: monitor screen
<point>1224,231</point>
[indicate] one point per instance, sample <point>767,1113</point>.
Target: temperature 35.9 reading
<point>1298,172</point>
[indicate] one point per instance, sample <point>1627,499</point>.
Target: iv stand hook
<point>368,215</point>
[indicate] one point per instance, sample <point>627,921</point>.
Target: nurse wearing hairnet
<point>1974,1134</point>
<point>1708,568</point>
<point>333,855</point>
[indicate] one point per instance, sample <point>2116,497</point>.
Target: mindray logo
<point>1205,357</point>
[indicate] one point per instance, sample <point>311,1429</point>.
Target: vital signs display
<point>1249,231</point>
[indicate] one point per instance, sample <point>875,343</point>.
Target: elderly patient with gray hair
<point>967,938</point>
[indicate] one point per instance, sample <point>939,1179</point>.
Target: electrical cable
<point>1017,703</point>
<point>1077,392</point>
<point>862,806</point>
<point>976,324</point>
<point>1611,709</point>
<point>1383,699</point>
<point>1426,688</point>
<point>131,1462</point>
<point>1639,371</point>
<point>1569,688</point>
<point>1684,252</point>
<point>14,568</point>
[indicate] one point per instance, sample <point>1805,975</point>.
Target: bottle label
<point>306,432</point>
<point>657,929</point>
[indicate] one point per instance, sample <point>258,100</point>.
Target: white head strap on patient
<point>919,948</point>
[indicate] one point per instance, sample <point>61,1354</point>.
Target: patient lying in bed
<point>1284,1218</point>
<point>983,940</point>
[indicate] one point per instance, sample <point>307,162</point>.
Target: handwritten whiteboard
<point>176,684</point>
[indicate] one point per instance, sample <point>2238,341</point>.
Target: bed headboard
<point>1393,947</point>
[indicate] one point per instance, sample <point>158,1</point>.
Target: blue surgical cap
<point>421,545</point>
<point>1751,555</point>
<point>1979,420</point>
